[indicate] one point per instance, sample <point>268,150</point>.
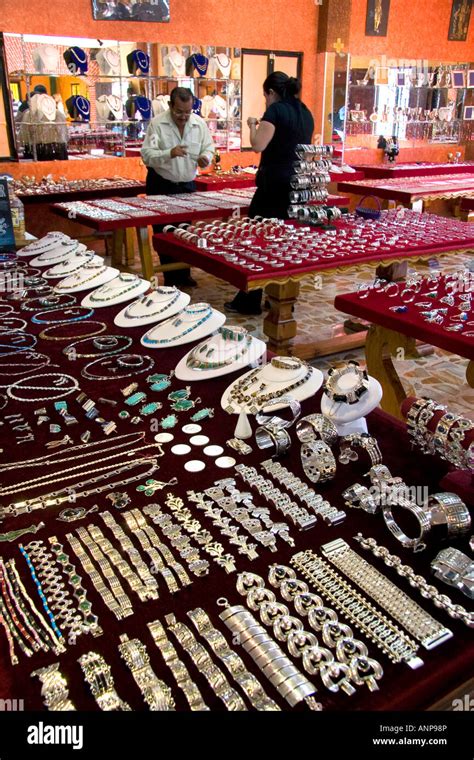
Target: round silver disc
<point>199,440</point>
<point>225,462</point>
<point>191,429</point>
<point>194,465</point>
<point>213,451</point>
<point>164,437</point>
<point>180,449</point>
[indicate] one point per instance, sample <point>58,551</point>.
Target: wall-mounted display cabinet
<point>424,104</point>
<point>97,97</point>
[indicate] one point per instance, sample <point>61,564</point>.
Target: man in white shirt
<point>176,143</point>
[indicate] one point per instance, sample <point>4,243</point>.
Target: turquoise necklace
<point>147,301</point>
<point>197,357</point>
<point>203,309</point>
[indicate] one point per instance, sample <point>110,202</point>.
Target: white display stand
<point>255,351</point>
<point>46,243</point>
<point>149,307</point>
<point>58,254</point>
<point>106,291</point>
<point>73,284</point>
<point>350,418</point>
<point>276,379</point>
<point>71,264</point>
<point>172,333</point>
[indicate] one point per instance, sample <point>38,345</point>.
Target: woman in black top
<point>286,123</point>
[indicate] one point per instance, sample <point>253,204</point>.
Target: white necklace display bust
<point>231,349</point>
<point>350,418</point>
<point>88,277</point>
<point>59,253</point>
<point>71,264</point>
<point>192,323</point>
<point>160,304</point>
<point>283,375</point>
<point>123,288</point>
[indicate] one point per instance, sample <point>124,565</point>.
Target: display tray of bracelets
<point>166,488</point>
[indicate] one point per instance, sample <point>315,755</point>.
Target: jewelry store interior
<point>237,356</point>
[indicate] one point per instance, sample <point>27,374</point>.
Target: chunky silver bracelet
<point>416,544</point>
<point>99,677</point>
<point>449,510</point>
<point>269,657</point>
<point>300,643</point>
<point>388,596</point>
<point>231,661</point>
<point>377,627</point>
<point>426,590</point>
<point>54,688</point>
<point>299,516</point>
<point>324,620</point>
<point>155,692</point>
<point>219,521</point>
<point>318,461</point>
<point>206,666</point>
<point>456,569</point>
<point>314,425</point>
<point>305,493</point>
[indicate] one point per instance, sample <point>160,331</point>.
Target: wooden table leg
<point>381,344</point>
<point>145,250</point>
<point>129,246</point>
<point>279,325</point>
<point>117,247</point>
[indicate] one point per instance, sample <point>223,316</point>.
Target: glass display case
<point>421,103</point>
<point>97,97</point>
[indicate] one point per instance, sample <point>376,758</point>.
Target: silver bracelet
<point>155,692</point>
<point>427,591</point>
<point>456,569</point>
<point>305,493</point>
<point>277,422</point>
<point>416,544</point>
<point>318,461</point>
<point>314,425</point>
<point>54,688</point>
<point>275,438</point>
<point>269,657</point>
<point>377,627</point>
<point>449,510</point>
<point>388,596</point>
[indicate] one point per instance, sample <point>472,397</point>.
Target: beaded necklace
<point>200,63</point>
<point>46,336</point>
<point>196,361</point>
<point>146,300</point>
<point>77,310</point>
<point>65,286</point>
<point>207,311</point>
<point>52,303</point>
<point>77,263</point>
<point>114,375</point>
<point>256,400</point>
<point>98,297</point>
<point>107,346</point>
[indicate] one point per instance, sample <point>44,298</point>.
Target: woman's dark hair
<point>284,86</point>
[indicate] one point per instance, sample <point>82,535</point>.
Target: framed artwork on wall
<point>131,10</point>
<point>376,20</point>
<point>459,22</point>
<point>468,113</point>
<point>470,78</point>
<point>458,78</point>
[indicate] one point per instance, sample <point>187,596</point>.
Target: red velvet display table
<point>445,668</point>
<point>393,331</point>
<point>282,284</point>
<point>220,181</point>
<point>423,169</point>
<point>349,176</point>
<point>413,190</point>
<point>150,211</point>
<point>62,196</point>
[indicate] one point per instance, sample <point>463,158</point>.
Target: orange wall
<point>233,23</point>
<point>416,29</point>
